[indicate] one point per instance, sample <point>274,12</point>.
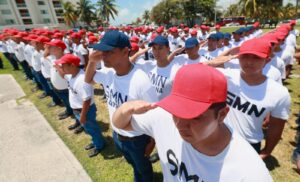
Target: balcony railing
<point>21,5</point>
<point>25,14</point>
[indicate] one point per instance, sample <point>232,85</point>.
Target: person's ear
<point>222,114</point>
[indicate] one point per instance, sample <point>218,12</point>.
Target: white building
<point>31,13</point>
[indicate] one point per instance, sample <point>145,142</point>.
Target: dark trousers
<point>256,146</point>
<point>36,78</point>
<point>26,69</point>
<point>1,63</point>
<point>12,60</point>
<point>64,96</point>
<point>43,83</point>
<point>53,94</point>
<point>134,153</point>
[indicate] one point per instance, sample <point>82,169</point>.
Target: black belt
<point>77,110</point>
<point>126,138</point>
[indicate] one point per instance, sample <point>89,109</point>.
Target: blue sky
<point>129,10</point>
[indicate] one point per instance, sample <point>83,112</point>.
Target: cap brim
<point>189,46</point>
<point>182,107</point>
<point>59,61</point>
<point>102,47</point>
<point>259,54</point>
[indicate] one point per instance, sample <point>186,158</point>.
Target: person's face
<point>220,42</point>
<point>212,44</point>
<point>200,128</point>
<point>160,52</point>
<point>68,68</point>
<point>226,41</point>
<point>236,36</point>
<point>192,51</point>
<point>76,40</point>
<point>113,57</point>
<point>55,51</point>
<point>251,64</point>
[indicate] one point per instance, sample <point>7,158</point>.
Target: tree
<point>69,14</point>
<point>86,11</point>
<point>107,9</point>
<point>146,16</point>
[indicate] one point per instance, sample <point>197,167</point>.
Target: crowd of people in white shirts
<point>201,97</point>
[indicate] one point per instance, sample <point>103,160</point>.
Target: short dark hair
<point>217,107</point>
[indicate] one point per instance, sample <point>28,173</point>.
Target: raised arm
<point>138,54</point>
<point>90,71</point>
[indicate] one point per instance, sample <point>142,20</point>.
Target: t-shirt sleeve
<point>100,76</point>
<point>282,108</point>
<point>83,50</point>
<point>86,91</point>
<point>143,123</point>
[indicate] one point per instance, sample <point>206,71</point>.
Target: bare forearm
<point>90,72</point>
<point>84,110</point>
<point>273,134</point>
<point>122,117</point>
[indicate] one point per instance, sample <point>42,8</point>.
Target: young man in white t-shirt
<point>252,97</point>
<point>211,51</point>
<point>81,96</point>
<point>122,82</point>
<point>80,50</point>
<point>192,141</point>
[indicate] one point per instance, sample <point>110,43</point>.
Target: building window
<point>56,4</point>
<point>40,2</point>
<point>61,20</point>
<point>24,13</point>
<point>6,12</point>
<point>44,12</point>
<point>27,21</point>
<point>59,12</point>
<point>20,3</point>
<point>3,1</point>
<point>9,21</point>
<point>46,20</point>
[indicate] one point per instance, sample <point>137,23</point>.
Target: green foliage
<point>86,11</point>
<point>106,9</point>
<point>69,14</point>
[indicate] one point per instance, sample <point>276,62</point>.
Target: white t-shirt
<point>175,43</point>
<point>286,54</point>
<point>184,58</point>
<point>209,55</point>
<point>19,51</point>
<point>161,77</point>
<point>249,105</point>
<point>46,65</point>
<point>28,52</point>
<point>3,47</point>
<point>36,60</point>
<point>180,161</point>
<point>58,82</point>
<point>79,90</point>
<point>279,64</point>
<point>119,89</point>
<point>80,51</point>
<point>11,45</point>
<point>236,44</point>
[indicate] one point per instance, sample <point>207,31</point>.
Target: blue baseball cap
<point>191,42</point>
<point>213,36</point>
<point>112,39</point>
<point>238,31</point>
<point>227,36</point>
<point>220,35</point>
<point>159,40</point>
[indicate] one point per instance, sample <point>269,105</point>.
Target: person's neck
<point>215,143</point>
<point>194,56</point>
<point>75,72</point>
<point>211,49</point>
<point>253,79</point>
<point>163,62</point>
<point>124,68</point>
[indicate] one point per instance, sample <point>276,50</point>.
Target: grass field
<point>111,166</point>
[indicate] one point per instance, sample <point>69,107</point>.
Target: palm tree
<point>69,14</point>
<point>249,7</point>
<point>86,11</point>
<point>146,16</point>
<point>107,9</point>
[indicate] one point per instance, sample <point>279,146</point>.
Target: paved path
<point>30,150</point>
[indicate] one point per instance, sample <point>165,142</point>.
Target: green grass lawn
<point>111,166</point>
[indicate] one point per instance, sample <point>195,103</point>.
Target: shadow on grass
<point>158,177</point>
<point>110,151</point>
<point>271,163</point>
<point>98,91</point>
<point>104,126</point>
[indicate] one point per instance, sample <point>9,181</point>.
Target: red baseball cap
<point>57,43</point>
<point>271,37</point>
<point>174,30</point>
<point>42,39</point>
<point>293,22</point>
<point>186,29</point>
<point>134,46</point>
<point>217,26</point>
<point>160,29</point>
<point>68,59</point>
<point>134,39</point>
<point>31,37</point>
<point>58,36</point>
<point>194,32</point>
<point>203,27</point>
<point>92,39</point>
<point>75,36</point>
<point>256,46</point>
<point>190,96</point>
